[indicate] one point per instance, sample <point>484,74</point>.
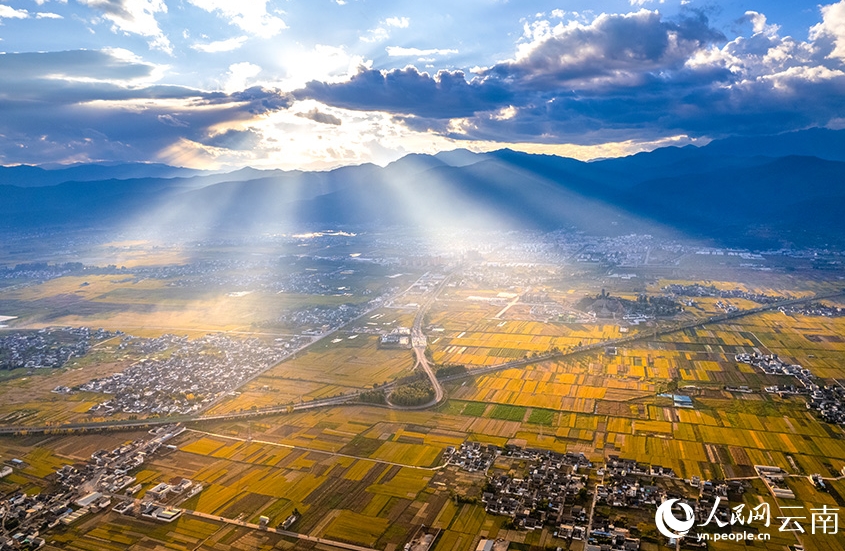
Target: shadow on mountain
<point>761,192</point>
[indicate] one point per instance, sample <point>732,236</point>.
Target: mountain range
<point>758,192</point>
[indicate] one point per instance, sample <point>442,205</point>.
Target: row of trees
<point>444,371</point>
<point>375,396</point>
<point>413,394</point>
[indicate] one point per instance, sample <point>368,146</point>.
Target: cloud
<point>398,51</point>
<point>239,74</point>
<point>328,64</point>
<point>135,17</point>
<point>88,105</point>
<point>8,12</point>
<point>832,27</point>
<point>382,32</point>
<point>104,66</point>
<point>250,16</point>
<point>444,95</point>
<point>399,22</point>
<point>619,77</point>
<point>172,120</point>
<point>611,50</point>
<point>317,116</point>
<point>237,140</point>
<point>48,15</point>
<point>220,45</point>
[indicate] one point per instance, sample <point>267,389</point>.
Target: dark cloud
<point>260,100</point>
<point>91,105</point>
<point>636,76</point>
<point>112,7</point>
<point>318,116</point>
<point>92,64</point>
<point>240,140</point>
<point>612,50</point>
<point>446,94</point>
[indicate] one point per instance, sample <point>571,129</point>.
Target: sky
<point>322,83</point>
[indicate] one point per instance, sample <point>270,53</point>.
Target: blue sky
<point>322,83</point>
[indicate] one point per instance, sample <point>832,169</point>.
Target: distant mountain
<point>734,194</point>
<point>34,176</point>
<point>815,142</point>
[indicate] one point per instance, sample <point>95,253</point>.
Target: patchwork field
<point>373,476</point>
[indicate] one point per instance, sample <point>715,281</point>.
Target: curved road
<point>419,343</point>
<point>421,360</point>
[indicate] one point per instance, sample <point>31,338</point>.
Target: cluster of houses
<point>552,492</point>
<point>47,348</point>
<point>698,290</point>
<point>399,337</point>
<point>775,479</point>
<point>192,376</point>
<point>39,271</point>
<point>472,456</point>
<point>814,309</point>
<point>827,400</point>
<point>624,483</point>
<point>79,491</point>
<point>159,502</point>
<point>772,365</point>
<point>317,320</point>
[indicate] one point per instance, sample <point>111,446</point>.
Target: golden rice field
<point>491,342</point>
<point>362,474</point>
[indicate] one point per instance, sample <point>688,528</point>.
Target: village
<point>48,348</point>
<point>80,490</point>
<point>827,400</point>
<point>193,375</point>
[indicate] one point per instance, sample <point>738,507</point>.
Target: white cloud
<point>832,27</point>
<point>221,45</point>
<point>399,22</point>
<point>381,33</point>
<point>240,75</point>
<point>48,15</point>
<point>324,63</point>
<point>251,16</point>
<point>8,12</point>
<point>171,120</point>
<point>642,2</point>
<point>135,17</point>
<point>760,25</point>
<point>398,51</point>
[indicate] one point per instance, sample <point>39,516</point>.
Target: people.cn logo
<point>668,524</point>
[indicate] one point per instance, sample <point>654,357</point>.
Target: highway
<point>420,343</point>
<point>637,337</point>
<point>422,361</point>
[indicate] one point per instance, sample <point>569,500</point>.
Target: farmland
<point>373,475</point>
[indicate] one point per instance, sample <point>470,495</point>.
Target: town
<point>192,376</point>
<point>48,348</point>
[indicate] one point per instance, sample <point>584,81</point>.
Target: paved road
<point>420,344</point>
<point>637,337</point>
<point>593,509</point>
<point>338,400</point>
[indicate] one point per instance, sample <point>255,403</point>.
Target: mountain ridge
<point>692,191</point>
